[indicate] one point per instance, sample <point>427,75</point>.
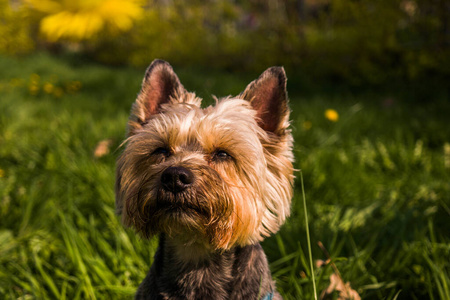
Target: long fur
<point>237,199</point>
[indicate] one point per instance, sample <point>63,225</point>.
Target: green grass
<point>377,185</point>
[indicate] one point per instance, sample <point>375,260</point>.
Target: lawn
<point>377,185</point>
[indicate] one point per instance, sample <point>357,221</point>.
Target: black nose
<point>176,179</point>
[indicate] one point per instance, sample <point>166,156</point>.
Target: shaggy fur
<point>211,182</point>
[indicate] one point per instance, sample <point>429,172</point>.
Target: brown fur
<point>236,157</point>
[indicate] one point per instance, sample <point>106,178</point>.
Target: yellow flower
<point>307,125</point>
<point>48,88</point>
<point>33,88</point>
<point>82,19</point>
<point>2,173</point>
<point>332,115</point>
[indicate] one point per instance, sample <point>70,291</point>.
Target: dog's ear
<point>159,86</point>
<point>268,97</point>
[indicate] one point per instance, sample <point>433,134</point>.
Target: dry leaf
<point>338,285</point>
<point>320,263</point>
<point>102,148</point>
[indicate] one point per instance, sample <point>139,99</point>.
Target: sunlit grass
<point>376,180</point>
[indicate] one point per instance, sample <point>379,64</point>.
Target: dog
<point>211,182</point>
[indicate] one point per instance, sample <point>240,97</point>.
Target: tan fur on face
<point>236,201</point>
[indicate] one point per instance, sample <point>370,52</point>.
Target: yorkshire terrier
<point>211,182</point>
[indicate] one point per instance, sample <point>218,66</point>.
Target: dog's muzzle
<point>176,179</point>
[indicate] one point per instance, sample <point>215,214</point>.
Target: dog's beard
<point>178,213</point>
<point>181,203</point>
<point>200,212</point>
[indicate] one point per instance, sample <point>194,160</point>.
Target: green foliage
<point>377,189</point>
<point>377,41</point>
<point>356,42</point>
<point>15,31</point>
<point>376,182</point>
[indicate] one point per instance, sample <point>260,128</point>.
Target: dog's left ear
<point>159,86</point>
<point>268,96</point>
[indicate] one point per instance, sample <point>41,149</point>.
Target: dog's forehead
<point>228,115</point>
<point>234,112</point>
<point>229,123</point>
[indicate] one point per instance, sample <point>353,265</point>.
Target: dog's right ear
<point>160,85</point>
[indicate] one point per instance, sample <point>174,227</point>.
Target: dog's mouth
<point>179,203</point>
<point>176,207</point>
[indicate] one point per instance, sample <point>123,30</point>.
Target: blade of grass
<point>307,236</point>
<point>46,277</point>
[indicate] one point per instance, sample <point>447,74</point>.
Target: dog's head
<point>221,175</point>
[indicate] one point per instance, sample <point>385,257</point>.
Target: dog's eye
<point>161,151</point>
<point>221,155</point>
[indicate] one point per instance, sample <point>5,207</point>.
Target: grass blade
<point>308,236</point>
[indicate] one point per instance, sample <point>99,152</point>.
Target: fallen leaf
<point>102,148</point>
<point>338,285</point>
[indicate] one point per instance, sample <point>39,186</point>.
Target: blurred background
<point>358,42</point>
<point>369,87</point>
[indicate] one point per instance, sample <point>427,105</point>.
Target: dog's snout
<point>176,179</point>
